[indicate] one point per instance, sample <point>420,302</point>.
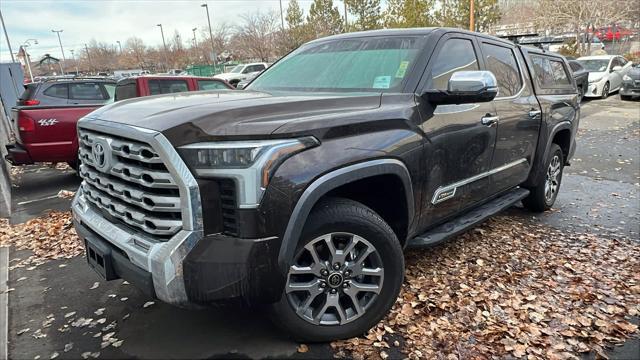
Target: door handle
<point>534,114</point>
<point>489,120</point>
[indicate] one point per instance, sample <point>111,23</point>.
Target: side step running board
<point>466,221</point>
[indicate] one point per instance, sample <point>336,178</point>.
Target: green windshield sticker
<point>402,69</point>
<point>382,82</point>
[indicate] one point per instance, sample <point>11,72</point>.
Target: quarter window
<point>58,90</point>
<point>455,55</point>
<point>167,86</point>
<point>501,61</point>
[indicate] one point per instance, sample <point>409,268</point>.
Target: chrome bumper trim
<point>163,259</point>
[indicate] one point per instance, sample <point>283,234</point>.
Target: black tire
<point>580,94</point>
<point>337,215</point>
<point>605,91</point>
<point>625,97</point>
<point>73,164</point>
<point>538,200</point>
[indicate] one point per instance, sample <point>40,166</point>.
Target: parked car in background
<point>73,91</point>
<point>630,84</point>
<point>138,86</point>
<point>303,190</point>
<point>605,73</point>
<point>175,72</point>
<point>580,75</point>
<point>241,72</point>
<point>244,82</point>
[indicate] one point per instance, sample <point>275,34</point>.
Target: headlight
<point>250,163</point>
<point>627,78</point>
<point>595,80</point>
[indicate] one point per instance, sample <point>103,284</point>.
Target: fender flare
<point>538,164</point>
<point>333,180</point>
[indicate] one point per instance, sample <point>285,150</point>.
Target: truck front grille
<point>127,181</point>
<point>228,206</point>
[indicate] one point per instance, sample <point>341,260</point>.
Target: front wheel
<point>345,276</point>
<point>544,194</point>
<point>605,91</point>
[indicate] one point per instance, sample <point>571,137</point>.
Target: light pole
<point>166,60</point>
<point>281,16</point>
<point>75,62</point>
<point>213,51</point>
<point>120,46</point>
<point>7,37</point>
<point>26,55</point>
<point>61,49</point>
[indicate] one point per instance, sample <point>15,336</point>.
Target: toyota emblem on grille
<point>99,156</point>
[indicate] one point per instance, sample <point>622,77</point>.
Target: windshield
<point>595,64</point>
<point>237,69</point>
<point>377,64</point>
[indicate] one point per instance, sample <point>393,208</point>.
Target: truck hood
<point>213,115</point>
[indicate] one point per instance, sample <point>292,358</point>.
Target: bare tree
<point>256,37</point>
<point>578,16</point>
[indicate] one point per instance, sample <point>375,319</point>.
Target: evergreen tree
<point>367,13</point>
<point>324,18</point>
<point>455,13</point>
<point>408,13</point>
<point>298,32</point>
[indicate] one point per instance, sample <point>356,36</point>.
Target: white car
<point>241,72</point>
<point>605,73</point>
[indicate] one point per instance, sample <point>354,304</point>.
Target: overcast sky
<point>112,20</point>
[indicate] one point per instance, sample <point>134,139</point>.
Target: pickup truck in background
<point>44,122</point>
<point>138,86</point>
<point>45,117</point>
<point>303,190</point>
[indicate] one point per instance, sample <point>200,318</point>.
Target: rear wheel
<point>605,91</point>
<point>345,276</point>
<point>544,194</point>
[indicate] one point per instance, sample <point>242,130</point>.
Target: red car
<point>155,85</point>
<point>48,133</point>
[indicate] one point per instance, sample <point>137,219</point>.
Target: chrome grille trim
<point>130,215</point>
<point>120,189</point>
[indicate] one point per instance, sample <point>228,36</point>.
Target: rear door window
<point>125,90</point>
<point>211,85</point>
<point>58,91</point>
<point>86,91</point>
<point>501,61</point>
<point>550,73</point>
<point>559,73</point>
<point>455,55</point>
<point>157,87</point>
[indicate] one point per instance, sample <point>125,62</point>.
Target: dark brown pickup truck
<point>303,190</point>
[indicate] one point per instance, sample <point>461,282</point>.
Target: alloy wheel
<point>552,181</point>
<point>334,279</point>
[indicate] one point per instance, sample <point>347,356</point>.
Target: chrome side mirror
<point>465,87</point>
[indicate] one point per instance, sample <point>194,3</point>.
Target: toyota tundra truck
<point>303,191</point>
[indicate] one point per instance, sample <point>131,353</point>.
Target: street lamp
<point>61,49</point>
<point>27,58</point>
<point>213,51</point>
<point>164,44</point>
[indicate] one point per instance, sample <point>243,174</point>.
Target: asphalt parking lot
<point>599,195</point>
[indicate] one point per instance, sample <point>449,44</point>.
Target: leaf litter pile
<point>511,289</point>
<point>49,237</point>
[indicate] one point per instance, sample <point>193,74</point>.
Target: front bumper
<point>189,268</point>
<point>18,155</point>
<point>630,88</point>
<point>594,89</point>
